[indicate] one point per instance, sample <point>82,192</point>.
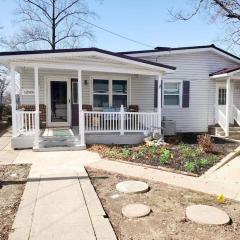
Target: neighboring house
<point>123,95</point>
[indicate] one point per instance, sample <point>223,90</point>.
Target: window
<point>75,92</point>
<point>172,93</point>
<point>107,93</point>
<point>119,93</point>
<point>222,96</point>
<point>100,93</point>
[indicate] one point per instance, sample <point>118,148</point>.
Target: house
<point>122,95</point>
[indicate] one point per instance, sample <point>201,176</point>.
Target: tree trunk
<point>53,27</point>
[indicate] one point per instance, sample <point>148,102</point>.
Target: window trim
<point>180,82</point>
<point>110,92</point>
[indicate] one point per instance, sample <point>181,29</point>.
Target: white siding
<point>195,68</point>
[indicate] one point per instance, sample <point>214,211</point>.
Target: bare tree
<point>51,24</point>
<point>227,11</point>
<point>4,83</point>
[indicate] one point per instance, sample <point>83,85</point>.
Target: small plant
<point>126,152</point>
<point>221,198</point>
<point>165,156</point>
<point>189,152</point>
<point>190,166</point>
<point>203,162</point>
<point>205,143</point>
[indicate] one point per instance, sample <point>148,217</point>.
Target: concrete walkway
<point>59,201</point>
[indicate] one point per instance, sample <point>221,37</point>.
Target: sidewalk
<point>59,201</point>
<point>210,185</point>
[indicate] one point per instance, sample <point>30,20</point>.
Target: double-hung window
<point>109,93</point>
<point>100,93</point>
<point>172,91</point>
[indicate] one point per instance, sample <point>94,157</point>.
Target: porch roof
<point>80,54</point>
<point>226,72</point>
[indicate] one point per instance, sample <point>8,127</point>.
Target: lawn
<point>12,183</point>
<point>167,219</point>
<point>186,155</point>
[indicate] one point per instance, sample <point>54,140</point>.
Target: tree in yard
<point>226,11</point>
<point>4,83</point>
<point>51,24</point>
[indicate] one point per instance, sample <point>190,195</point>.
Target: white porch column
<point>159,102</point>
<point>37,123</point>
<point>13,99</point>
<point>228,103</point>
<point>81,112</point>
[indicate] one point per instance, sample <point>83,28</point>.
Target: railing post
<point>122,120</point>
<point>159,106</point>
<point>13,99</point>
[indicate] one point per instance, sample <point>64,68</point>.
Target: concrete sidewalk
<point>59,201</point>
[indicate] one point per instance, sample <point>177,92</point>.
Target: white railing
<point>120,121</point>
<point>25,122</point>
<point>236,114</point>
<point>221,119</point>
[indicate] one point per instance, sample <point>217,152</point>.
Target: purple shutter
<point>156,93</point>
<point>185,94</point>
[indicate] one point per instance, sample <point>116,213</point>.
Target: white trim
<point>180,94</point>
<point>49,79</point>
<point>183,51</point>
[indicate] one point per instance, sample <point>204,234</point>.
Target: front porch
<point>227,103</point>
<point>95,94</point>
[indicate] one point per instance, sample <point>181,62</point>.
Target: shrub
<point>165,156</point>
<point>189,152</point>
<point>203,162</point>
<point>126,152</point>
<point>205,143</point>
<point>190,166</point>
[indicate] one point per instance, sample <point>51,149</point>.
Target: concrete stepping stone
<point>136,210</point>
<point>204,214</point>
<point>132,187</point>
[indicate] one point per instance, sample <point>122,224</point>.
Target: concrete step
<point>52,149</point>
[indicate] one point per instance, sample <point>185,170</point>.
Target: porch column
<point>37,123</point>
<point>228,103</point>
<point>81,112</point>
<point>159,103</point>
<point>13,99</point>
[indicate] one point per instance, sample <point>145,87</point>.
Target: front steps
<point>234,132</point>
<point>59,143</point>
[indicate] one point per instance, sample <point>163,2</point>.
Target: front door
<point>221,97</point>
<point>59,103</point>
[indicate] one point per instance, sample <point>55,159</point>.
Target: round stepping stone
<point>204,214</point>
<point>132,187</point>
<point>136,210</point>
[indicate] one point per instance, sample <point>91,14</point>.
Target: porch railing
<point>236,114</point>
<point>25,122</point>
<point>221,120</point>
<point>120,121</point>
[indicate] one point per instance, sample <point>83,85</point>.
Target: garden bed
<point>185,156</point>
<point>12,184</point>
<point>167,219</point>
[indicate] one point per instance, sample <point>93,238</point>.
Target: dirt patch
<point>12,184</point>
<point>183,157</point>
<point>168,204</point>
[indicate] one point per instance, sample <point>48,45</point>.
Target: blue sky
<point>143,20</point>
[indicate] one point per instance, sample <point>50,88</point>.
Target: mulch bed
<point>12,183</point>
<point>183,156</point>
<point>168,204</point>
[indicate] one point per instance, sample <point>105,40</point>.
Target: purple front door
<point>74,90</point>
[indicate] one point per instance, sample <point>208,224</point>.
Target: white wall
<point>194,67</point>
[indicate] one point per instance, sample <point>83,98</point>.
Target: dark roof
<point>120,55</point>
<point>167,49</point>
<point>225,70</point>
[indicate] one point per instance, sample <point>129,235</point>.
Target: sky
<point>147,21</point>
